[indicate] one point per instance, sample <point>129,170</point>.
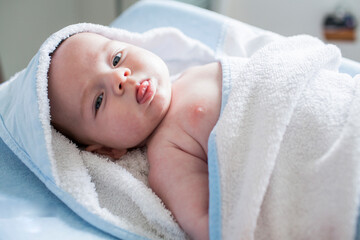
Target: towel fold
<point>287,144</point>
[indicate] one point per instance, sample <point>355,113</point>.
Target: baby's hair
<point>59,44</point>
<point>67,134</point>
<point>80,146</point>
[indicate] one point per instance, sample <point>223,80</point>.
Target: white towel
<point>288,144</point>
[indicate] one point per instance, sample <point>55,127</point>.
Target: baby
<point>111,96</point>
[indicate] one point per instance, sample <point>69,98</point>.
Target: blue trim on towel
<point>214,190</point>
<point>215,215</point>
<point>226,83</point>
<point>12,144</point>
<point>350,67</point>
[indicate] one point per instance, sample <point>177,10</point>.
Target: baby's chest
<point>198,117</point>
<point>196,105</point>
<point>189,127</point>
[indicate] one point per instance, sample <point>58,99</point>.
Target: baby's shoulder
<point>166,135</point>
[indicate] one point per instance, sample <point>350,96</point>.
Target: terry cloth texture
<point>288,144</point>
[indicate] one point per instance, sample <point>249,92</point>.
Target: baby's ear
<point>102,150</point>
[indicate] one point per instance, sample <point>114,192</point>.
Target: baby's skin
<point>177,151</point>
<point>112,96</point>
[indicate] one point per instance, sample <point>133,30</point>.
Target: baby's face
<point>106,92</point>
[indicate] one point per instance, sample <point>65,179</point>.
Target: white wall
<point>24,25</point>
<point>291,17</point>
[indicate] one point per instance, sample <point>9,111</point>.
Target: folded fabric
<point>287,145</point>
<point>112,196</point>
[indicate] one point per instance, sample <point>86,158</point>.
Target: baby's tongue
<point>142,91</point>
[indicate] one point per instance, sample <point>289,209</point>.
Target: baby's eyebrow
<point>107,45</point>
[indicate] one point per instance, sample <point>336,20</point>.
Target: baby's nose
<point>120,78</point>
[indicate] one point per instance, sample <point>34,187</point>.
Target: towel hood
<point>25,128</point>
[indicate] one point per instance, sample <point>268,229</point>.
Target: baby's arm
<point>181,181</point>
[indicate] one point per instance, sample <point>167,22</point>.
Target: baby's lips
<point>141,91</point>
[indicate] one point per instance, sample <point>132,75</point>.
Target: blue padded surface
<point>350,67</point>
<point>28,210</point>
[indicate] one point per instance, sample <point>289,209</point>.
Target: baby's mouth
<point>145,91</point>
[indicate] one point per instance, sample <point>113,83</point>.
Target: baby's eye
<point>116,59</point>
<point>98,102</point>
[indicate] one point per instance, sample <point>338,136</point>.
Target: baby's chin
<point>164,102</point>
<point>163,94</point>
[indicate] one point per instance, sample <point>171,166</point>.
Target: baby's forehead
<point>85,42</point>
<point>84,38</point>
<point>89,35</point>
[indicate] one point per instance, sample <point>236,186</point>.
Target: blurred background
<point>24,25</point>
